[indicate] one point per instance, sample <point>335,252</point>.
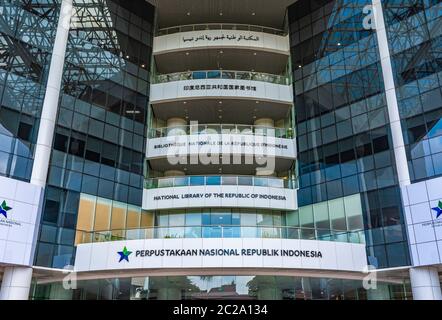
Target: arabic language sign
<point>221,38</point>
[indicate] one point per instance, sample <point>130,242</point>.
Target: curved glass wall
<point>191,181</point>
<point>221,74</point>
<point>219,26</point>
<point>284,133</point>
<point>221,287</point>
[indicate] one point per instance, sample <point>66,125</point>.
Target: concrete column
<point>176,126</point>
<point>425,283</point>
<point>16,283</point>
<point>390,93</point>
<point>17,280</point>
<point>265,122</point>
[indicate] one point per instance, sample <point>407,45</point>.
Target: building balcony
<point>222,74</point>
<point>222,232</point>
<point>192,47</point>
<point>202,129</point>
<point>215,180</point>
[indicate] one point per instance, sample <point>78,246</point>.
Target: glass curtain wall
<point>27,35</point>
<point>343,133</point>
<point>99,143</point>
<point>222,287</point>
<point>414,30</point>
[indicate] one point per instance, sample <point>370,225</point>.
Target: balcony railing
<point>221,74</point>
<point>215,180</point>
<point>284,133</point>
<point>219,26</point>
<point>222,231</point>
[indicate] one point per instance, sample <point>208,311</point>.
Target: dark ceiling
<point>269,13</point>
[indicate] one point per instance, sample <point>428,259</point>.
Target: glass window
<point>197,181</point>
<point>337,214</point>
<point>102,214</point>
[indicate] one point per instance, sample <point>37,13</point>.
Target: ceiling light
<point>220,102</point>
<point>299,66</point>
<point>187,53</point>
<point>127,57</point>
<point>220,13</point>
<point>143,66</point>
<point>221,52</point>
<point>254,53</point>
<point>253,13</point>
<point>133,111</point>
<point>188,13</point>
<point>339,43</point>
<point>184,102</point>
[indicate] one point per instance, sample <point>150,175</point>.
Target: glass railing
<point>221,74</point>
<point>219,26</point>
<point>224,180</point>
<point>285,133</point>
<point>222,231</point>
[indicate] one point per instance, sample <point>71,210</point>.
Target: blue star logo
<point>438,209</point>
<point>124,255</point>
<point>4,209</point>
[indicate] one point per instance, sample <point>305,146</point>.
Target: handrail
<point>218,180</point>
<point>285,133</point>
<point>221,74</point>
<point>219,26</point>
<point>222,231</point>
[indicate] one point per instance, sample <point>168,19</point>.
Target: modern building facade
<point>220,149</point>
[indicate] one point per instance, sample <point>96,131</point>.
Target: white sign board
<point>423,212</point>
<point>219,88</point>
<point>220,196</point>
<point>221,253</point>
<point>221,144</point>
<point>20,211</point>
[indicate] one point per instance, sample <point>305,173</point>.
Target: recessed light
<point>143,66</point>
<point>127,57</point>
<point>257,102</point>
<point>254,53</point>
<point>299,66</point>
<point>188,13</point>
<point>184,102</point>
<point>253,13</point>
<point>221,52</point>
<point>339,43</point>
<point>220,13</point>
<point>220,102</point>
